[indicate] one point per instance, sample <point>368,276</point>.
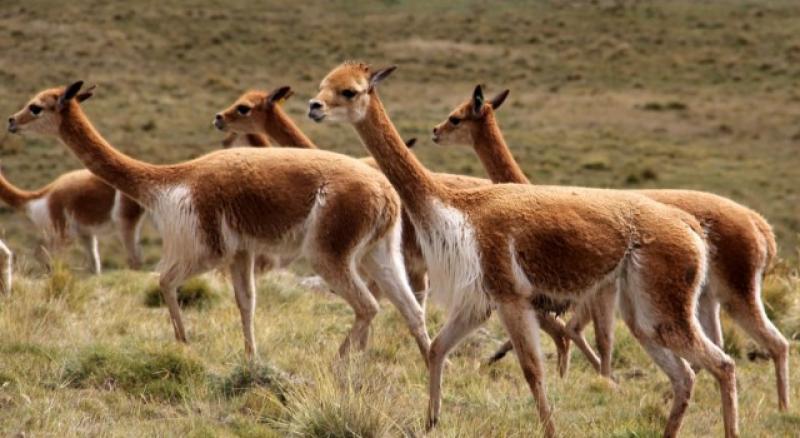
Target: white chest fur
<point>451,252</point>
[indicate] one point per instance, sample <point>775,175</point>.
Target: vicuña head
<point>251,110</point>
<point>42,114</point>
<point>345,92</point>
<point>458,128</point>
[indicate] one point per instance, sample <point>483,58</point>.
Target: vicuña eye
<point>35,109</point>
<point>454,120</point>
<point>349,93</point>
<point>243,109</point>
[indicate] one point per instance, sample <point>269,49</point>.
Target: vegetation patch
<point>195,293</point>
<point>151,375</point>
<point>245,377</point>
<point>64,286</point>
<point>341,407</point>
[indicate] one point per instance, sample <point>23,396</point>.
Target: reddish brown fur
<point>658,248</point>
<point>742,242</point>
<point>225,206</point>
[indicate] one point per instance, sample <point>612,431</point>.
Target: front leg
<point>453,332</point>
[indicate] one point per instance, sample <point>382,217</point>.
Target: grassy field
<point>607,93</point>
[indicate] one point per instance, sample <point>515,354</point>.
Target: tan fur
<point>742,242</point>
<point>264,116</point>
<point>225,207</point>
<point>77,205</point>
<point>560,242</point>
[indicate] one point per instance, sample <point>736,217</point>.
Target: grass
<point>196,293</point>
<point>648,94</point>
<point>119,371</point>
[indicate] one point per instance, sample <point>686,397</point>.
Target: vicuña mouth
<point>317,117</point>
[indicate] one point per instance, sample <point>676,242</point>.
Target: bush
<point>157,375</point>
<point>196,293</point>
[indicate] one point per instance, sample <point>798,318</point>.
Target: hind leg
<point>169,281</point>
<point>384,265</point>
<point>603,306</point>
<point>680,374</point>
<point>708,314</point>
<point>129,234</point>
<point>519,319</point>
<point>750,316</point>
<point>575,327</point>
<point>342,277</point>
<point>667,326</point>
<point>242,272</point>
<point>89,242</point>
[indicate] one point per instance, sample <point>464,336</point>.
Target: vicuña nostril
<point>10,120</point>
<point>218,117</point>
<point>315,105</point>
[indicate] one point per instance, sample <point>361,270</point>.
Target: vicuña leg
<point>385,266</point>
<point>708,315</point>
<point>89,242</point>
<point>343,278</point>
<point>129,234</point>
<point>520,321</point>
<point>604,305</point>
<point>6,269</point>
<point>242,275</point>
<point>456,328</point>
<point>680,374</point>
<point>750,316</point>
<point>169,281</point>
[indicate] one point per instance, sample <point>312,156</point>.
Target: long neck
<point>283,130</point>
<point>131,177</point>
<point>493,152</point>
<point>409,177</point>
<point>13,196</point>
<point>257,140</point>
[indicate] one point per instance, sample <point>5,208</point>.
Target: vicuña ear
<point>68,94</point>
<point>379,75</point>
<point>85,94</point>
<point>498,100</point>
<point>279,95</point>
<point>477,101</point>
<point>411,142</point>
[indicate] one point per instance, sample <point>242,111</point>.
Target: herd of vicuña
<point>385,226</point>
